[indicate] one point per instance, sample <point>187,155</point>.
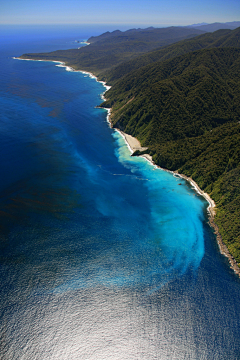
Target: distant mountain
<point>104,36</point>
<point>196,25</point>
<point>217,26</point>
<point>220,38</point>
<point>154,36</point>
<point>233,23</point>
<point>112,48</point>
<point>115,33</point>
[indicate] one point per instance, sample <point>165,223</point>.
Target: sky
<point>121,12</point>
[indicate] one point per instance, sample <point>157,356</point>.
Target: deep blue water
<point>102,255</point>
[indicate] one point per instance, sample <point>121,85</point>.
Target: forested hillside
<point>220,38</point>
<point>187,111</point>
<point>111,49</point>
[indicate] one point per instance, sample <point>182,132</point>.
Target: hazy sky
<point>122,12</point>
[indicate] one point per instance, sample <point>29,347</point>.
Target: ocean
<point>103,255</point>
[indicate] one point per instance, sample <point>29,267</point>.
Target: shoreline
<point>133,144</point>
<point>210,209</point>
<point>69,68</point>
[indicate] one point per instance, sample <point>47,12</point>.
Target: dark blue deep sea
<point>102,256</point>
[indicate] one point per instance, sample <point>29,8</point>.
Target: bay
<point>103,256</point>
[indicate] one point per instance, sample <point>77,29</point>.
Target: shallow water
<point>102,255</point>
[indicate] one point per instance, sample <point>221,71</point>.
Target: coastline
<point>211,207</point>
<point>69,68</point>
<point>134,144</point>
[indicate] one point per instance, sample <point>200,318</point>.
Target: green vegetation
<point>187,111</point>
<point>110,49</point>
<point>220,38</point>
<point>180,98</point>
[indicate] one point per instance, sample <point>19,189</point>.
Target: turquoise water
<point>103,256</point>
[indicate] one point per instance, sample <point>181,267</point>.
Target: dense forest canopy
<point>220,38</point>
